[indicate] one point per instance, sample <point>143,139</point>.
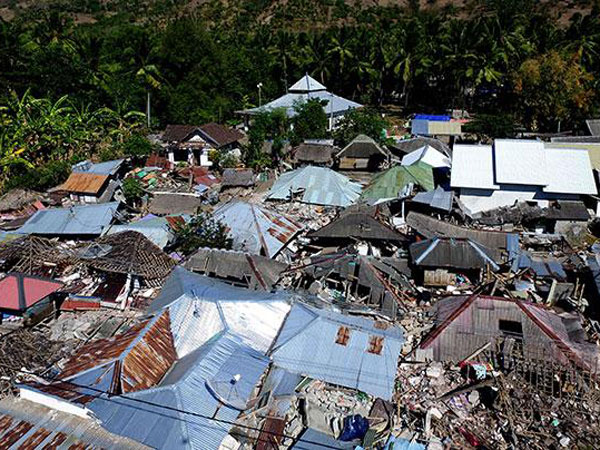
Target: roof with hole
<point>307,345</point>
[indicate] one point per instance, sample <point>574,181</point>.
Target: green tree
<point>360,121</point>
<point>132,190</point>
<point>310,121</point>
<point>202,231</point>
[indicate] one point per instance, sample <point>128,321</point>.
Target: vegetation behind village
<point>75,76</point>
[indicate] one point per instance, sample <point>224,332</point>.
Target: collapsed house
<point>314,152</point>
<point>238,268</point>
<point>169,203</point>
<point>358,224</point>
<point>82,221</point>
<point>512,170</point>
<point>237,178</point>
<point>317,186</point>
<point>356,281</point>
<point>255,229</point>
<point>160,230</point>
<point>438,200</point>
<point>442,259</point>
<point>520,329</point>
<point>17,205</point>
<point>362,153</point>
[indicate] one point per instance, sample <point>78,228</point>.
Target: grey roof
<point>543,266</point>
<point>76,220</point>
<point>238,178</point>
<point>593,126</point>
<point>103,168</point>
<point>454,253</point>
<point>437,199</point>
<point>313,153</point>
<point>256,229</point>
<point>406,146</point>
<point>307,345</point>
<point>358,223</point>
<point>307,84</point>
<point>31,420</point>
<point>316,185</point>
<point>576,139</point>
<point>157,229</point>
<point>252,271</point>
<point>362,146</point>
<point>164,203</point>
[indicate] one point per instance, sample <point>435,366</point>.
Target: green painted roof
<point>388,184</point>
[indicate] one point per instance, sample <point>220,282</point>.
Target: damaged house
<point>439,260</point>
<point>238,268</point>
<point>397,182</point>
<point>317,186</point>
<point>362,153</point>
<point>512,170</point>
<point>257,230</point>
<point>363,226</point>
<point>314,152</point>
<point>93,182</point>
<point>523,330</point>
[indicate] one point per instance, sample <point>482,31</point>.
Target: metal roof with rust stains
<point>255,229</point>
<point>85,183</point>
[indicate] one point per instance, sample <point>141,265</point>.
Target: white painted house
<point>487,177</point>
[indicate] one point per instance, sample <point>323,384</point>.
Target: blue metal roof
<point>307,345</point>
<point>255,229</point>
<point>103,168</point>
<point>546,267</point>
<point>316,185</point>
<point>335,105</point>
<point>205,389</point>
<point>156,229</point>
<point>433,117</point>
<point>313,439</point>
<point>76,220</point>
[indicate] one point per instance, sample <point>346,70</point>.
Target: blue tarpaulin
<point>433,117</point>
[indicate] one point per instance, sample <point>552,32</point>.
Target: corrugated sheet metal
<point>316,185</point>
<point>455,253</point>
<point>392,182</point>
<point>520,161</point>
<point>156,229</point>
<point>103,168</point>
<point>312,439</point>
<point>255,229</point>
<point>438,199</point>
<point>308,346</point>
<point>27,425</point>
<point>84,183</point>
<point>427,155</point>
<point>307,84</point>
<point>76,220</point>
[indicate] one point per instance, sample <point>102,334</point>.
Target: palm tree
<point>150,77</point>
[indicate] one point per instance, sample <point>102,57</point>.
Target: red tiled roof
<point>19,291</point>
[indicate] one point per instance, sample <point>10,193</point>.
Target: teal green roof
<point>388,184</point>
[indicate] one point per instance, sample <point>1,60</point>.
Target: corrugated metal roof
<point>438,199</point>
<point>316,185</point>
<point>593,149</point>
<point>335,105</point>
<point>472,167</point>
<point>103,168</point>
<point>428,155</point>
<point>256,229</point>
<point>307,345</point>
<point>545,267</point>
<point>84,183</point>
<point>28,425</point>
<point>307,84</point>
<point>457,253</point>
<point>76,220</point>
<point>520,161</point>
<point>391,183</point>
<point>312,439</point>
<point>593,126</point>
<point>156,229</point>
<point>203,387</point>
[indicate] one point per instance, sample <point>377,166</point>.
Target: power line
<point>158,405</point>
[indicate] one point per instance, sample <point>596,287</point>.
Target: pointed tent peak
<point>307,84</point>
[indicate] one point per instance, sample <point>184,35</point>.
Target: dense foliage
<point>202,231</point>
<point>81,67</point>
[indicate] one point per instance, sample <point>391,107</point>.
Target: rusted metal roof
<point>28,426</point>
<point>85,183</point>
<point>131,362</point>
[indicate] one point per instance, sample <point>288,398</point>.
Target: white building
<point>512,170</point>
